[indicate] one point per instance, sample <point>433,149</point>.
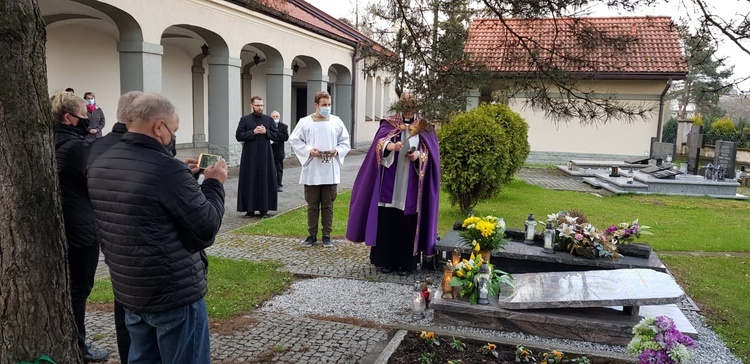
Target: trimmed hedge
<point>480,151</point>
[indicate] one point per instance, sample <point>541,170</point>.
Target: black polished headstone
<point>656,168</point>
<point>725,153</point>
<point>695,143</point>
<point>637,160</point>
<point>660,150</point>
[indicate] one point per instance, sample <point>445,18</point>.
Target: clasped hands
<point>315,152</point>
<point>260,129</point>
<point>396,147</point>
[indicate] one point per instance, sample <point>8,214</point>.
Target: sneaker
<point>327,243</point>
<point>94,355</point>
<point>310,241</point>
<point>279,189</point>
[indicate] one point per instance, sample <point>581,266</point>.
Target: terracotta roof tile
<point>302,14</point>
<point>653,47</point>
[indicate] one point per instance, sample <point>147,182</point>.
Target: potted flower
<point>657,340</point>
<point>624,235</point>
<point>466,272</point>
<point>483,234</point>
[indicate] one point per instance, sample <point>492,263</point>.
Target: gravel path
<point>387,304</point>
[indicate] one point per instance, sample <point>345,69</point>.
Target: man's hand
<point>413,156</point>
<point>260,129</point>
<point>192,163</point>
<point>217,171</point>
<point>93,131</point>
<point>394,147</point>
<point>315,153</point>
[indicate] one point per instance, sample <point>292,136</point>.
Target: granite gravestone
<point>725,153</point>
<point>695,143</point>
<point>661,149</point>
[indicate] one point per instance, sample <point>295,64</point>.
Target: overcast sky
<point>675,9</point>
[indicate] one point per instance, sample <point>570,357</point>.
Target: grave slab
<point>621,287</point>
<point>521,258</point>
<point>605,325</point>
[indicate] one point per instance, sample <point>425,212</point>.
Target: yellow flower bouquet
<point>465,274</point>
<point>483,233</point>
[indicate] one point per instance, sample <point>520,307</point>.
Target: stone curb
<point>391,347</point>
<point>591,353</point>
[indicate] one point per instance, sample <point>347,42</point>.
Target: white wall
<point>615,137</point>
<point>86,60</point>
<point>177,86</point>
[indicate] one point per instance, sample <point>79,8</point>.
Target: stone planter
<point>635,250</point>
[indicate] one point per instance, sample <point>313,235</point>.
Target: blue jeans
<point>176,336</point>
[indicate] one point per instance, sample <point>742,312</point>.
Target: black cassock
<point>257,185</point>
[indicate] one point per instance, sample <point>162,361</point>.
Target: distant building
<point>209,57</point>
<point>639,75</point>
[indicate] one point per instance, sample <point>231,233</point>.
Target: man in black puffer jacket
<point>96,149</point>
<point>154,220</point>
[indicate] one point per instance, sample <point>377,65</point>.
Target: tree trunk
<point>35,309</point>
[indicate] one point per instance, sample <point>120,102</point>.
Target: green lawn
<point>719,285</point>
<point>679,223</point>
<point>234,286</point>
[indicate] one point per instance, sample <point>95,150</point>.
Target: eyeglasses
<point>258,105</point>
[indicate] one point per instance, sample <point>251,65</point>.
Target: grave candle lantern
<point>417,302</point>
<point>482,282</point>
<point>446,284</point>
<point>710,171</point>
<point>456,257</point>
<point>549,238</point>
<point>630,175</point>
<point>529,228</point>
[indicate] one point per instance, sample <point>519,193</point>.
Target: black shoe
<point>385,270</point>
<point>250,214</point>
<point>264,215</point>
<point>310,241</point>
<point>279,189</point>
<point>94,355</point>
<point>327,243</point>
<point>403,272</point>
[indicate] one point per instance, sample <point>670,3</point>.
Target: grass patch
<point>234,286</point>
<point>294,223</point>
<point>720,284</point>
<point>679,223</point>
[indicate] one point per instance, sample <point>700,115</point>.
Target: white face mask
<point>325,111</point>
<point>276,120</point>
<point>90,101</point>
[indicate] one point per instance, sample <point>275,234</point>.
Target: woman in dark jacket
<point>71,126</point>
<point>95,116</point>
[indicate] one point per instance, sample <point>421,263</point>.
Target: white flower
<point>501,223</point>
<point>571,220</point>
<point>553,217</point>
<point>679,353</point>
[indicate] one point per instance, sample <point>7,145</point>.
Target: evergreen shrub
<point>480,151</point>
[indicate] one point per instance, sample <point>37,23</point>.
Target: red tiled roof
<point>304,15</point>
<point>653,48</point>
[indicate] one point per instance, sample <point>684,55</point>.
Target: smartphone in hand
<point>205,160</point>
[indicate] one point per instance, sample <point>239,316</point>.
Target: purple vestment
<point>367,191</point>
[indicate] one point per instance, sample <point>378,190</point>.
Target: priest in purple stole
<point>395,198</point>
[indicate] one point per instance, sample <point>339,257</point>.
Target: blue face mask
<point>325,111</point>
<point>90,101</point>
